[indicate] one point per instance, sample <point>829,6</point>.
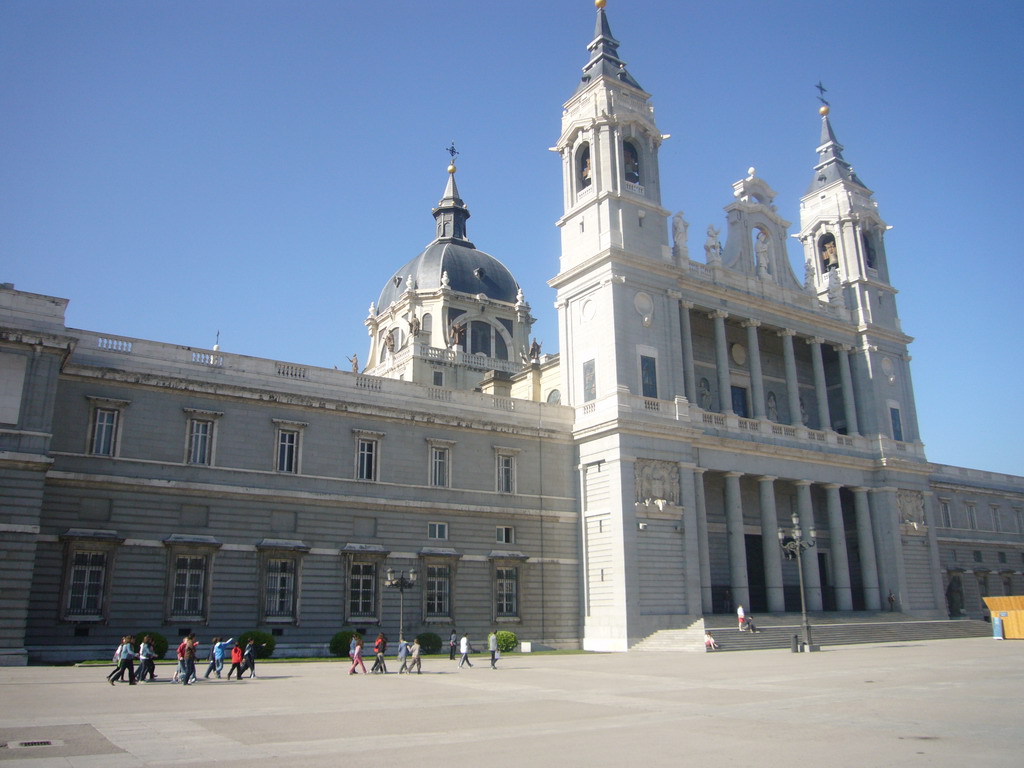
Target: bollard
<point>796,644</point>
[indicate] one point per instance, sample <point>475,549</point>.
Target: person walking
<point>464,649</point>
<point>403,655</point>
<point>191,648</point>
<point>357,657</point>
<point>453,642</point>
<point>236,662</point>
<point>217,656</point>
<point>414,657</point>
<point>740,616</point>
<point>147,660</point>
<point>180,671</point>
<point>352,645</point>
<point>492,646</point>
<point>380,647</point>
<point>249,658</point>
<point>116,659</point>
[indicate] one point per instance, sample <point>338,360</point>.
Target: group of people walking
<point>409,653</point>
<point>242,660</point>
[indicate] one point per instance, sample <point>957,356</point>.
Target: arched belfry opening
<point>828,254</point>
<point>584,172</point>
<point>630,162</point>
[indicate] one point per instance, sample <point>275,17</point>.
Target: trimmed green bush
<point>265,642</point>
<point>341,642</point>
<point>507,641</point>
<point>159,642</point>
<point>430,642</point>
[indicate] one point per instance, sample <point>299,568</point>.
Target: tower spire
<point>451,212</point>
<point>831,166</point>
<point>604,53</point>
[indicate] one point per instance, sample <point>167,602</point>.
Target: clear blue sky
<point>260,167</point>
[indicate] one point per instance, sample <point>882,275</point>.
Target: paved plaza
<point>936,703</point>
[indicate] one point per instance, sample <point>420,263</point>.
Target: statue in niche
<point>704,394</point>
<point>773,407</point>
<point>414,326</point>
<point>355,362</point>
<point>679,228</point>
<point>389,343</point>
<point>803,411</point>
<point>656,481</point>
<point>761,249</point>
<point>712,248</point>
<point>809,275</point>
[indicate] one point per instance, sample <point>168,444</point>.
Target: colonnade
<point>787,335</point>
<point>838,549</point>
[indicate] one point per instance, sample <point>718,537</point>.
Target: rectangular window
<point>438,590</point>
<point>437,531</point>
<point>366,461</point>
<point>947,515</point>
<point>1019,514</point>
<point>505,534</point>
<point>189,585</point>
<point>362,590</point>
<point>438,378</point>
<point>506,592</point>
<point>88,571</point>
<point>506,473</point>
<point>439,467</point>
<point>897,424</point>
<point>589,381</point>
<point>104,432</point>
<point>997,524</point>
<point>648,376</point>
<point>972,517</point>
<point>200,441</point>
<point>977,556</point>
<point>287,451</point>
<point>280,589</point>
<point>739,402</point>
<point>1001,557</point>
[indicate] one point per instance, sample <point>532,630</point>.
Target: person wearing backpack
<point>236,662</point>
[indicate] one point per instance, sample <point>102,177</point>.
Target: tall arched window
<point>583,170</point>
<point>631,162</point>
<point>870,260</point>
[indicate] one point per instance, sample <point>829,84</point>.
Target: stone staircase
<point>776,631</point>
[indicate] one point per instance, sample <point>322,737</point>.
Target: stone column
<point>849,405</point>
<point>685,331</point>
<point>809,558</point>
<point>840,555</point>
<point>706,599</point>
<point>737,542</point>
<point>866,543</point>
<point>770,545</point>
<point>792,385</point>
<point>722,362</point>
<point>756,378</point>
<point>889,547</point>
<point>820,388</point>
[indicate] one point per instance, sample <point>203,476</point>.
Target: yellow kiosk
<point>1009,613</point>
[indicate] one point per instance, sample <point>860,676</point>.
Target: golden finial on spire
<point>823,110</point>
<point>600,3</point>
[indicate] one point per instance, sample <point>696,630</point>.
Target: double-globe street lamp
<point>793,544</point>
<point>401,582</point>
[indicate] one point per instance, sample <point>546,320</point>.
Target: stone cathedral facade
<point>635,481</point>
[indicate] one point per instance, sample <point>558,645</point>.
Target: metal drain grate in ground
<point>26,744</point>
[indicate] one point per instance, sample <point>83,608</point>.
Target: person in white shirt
<point>464,649</point>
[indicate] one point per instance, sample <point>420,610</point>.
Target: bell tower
<point>845,262</point>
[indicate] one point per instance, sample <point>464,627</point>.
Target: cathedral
<point>706,407</point>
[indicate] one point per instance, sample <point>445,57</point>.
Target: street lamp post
<point>793,544</point>
<point>401,582</point>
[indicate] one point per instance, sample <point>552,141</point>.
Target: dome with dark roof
<point>469,270</point>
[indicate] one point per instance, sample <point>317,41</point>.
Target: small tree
<point>430,642</point>
<point>265,642</point>
<point>341,641</point>
<point>507,641</point>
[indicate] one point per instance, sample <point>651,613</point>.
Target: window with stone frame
<point>106,423</point>
<point>438,590</point>
<point>368,455</point>
<point>945,513</point>
<point>972,516</point>
<point>288,457</point>
<point>88,566</point>
<point>281,570</point>
<point>505,534</point>
<point>199,436</point>
<point>439,453</point>
<point>190,574</point>
<point>506,592</point>
<point>505,469</point>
